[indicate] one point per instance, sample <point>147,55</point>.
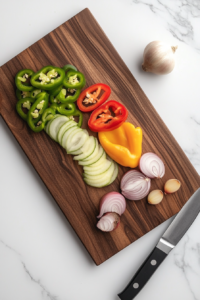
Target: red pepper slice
<point>93,96</point>
<point>108,116</point>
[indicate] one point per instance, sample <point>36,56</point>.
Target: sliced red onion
<point>151,165</point>
<point>112,202</point>
<point>109,222</point>
<point>135,185</point>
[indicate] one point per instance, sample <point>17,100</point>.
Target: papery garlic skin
<point>155,197</point>
<point>109,222</point>
<point>159,58</point>
<point>172,186</point>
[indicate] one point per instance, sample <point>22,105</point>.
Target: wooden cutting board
<point>81,42</point>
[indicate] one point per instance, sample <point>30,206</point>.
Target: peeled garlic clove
<point>171,186</point>
<point>159,58</point>
<point>155,197</point>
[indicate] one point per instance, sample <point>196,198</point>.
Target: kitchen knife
<point>167,242</point>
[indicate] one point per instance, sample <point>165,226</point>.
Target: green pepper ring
<point>19,103</point>
<point>69,109</point>
<point>19,85</point>
<point>30,120</point>
<point>68,99</point>
<point>69,67</point>
<point>49,86</point>
<point>48,114</point>
<point>19,94</point>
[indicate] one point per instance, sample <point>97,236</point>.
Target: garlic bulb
<point>159,58</point>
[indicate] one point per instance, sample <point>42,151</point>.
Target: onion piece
<point>135,185</point>
<point>112,202</point>
<point>151,165</point>
<point>109,222</point>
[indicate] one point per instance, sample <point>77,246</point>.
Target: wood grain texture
<point>81,42</point>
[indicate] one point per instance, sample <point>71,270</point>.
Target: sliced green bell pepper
<point>36,111</point>
<point>74,80</point>
<point>48,114</point>
<point>48,78</point>
<point>68,67</point>
<point>22,94</point>
<point>67,95</point>
<point>69,109</point>
<point>56,91</point>
<point>22,104</point>
<point>35,92</point>
<point>21,80</point>
<point>79,114</point>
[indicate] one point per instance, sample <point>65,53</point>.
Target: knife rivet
<point>135,285</point>
<point>153,262</point>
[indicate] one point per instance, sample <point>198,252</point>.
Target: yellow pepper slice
<point>124,144</point>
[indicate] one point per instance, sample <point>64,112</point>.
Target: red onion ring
<point>109,222</point>
<point>135,185</point>
<point>151,165</point>
<point>112,202</point>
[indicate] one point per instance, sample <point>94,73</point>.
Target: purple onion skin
<point>139,195</point>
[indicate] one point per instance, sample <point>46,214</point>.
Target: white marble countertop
<point>41,257</point>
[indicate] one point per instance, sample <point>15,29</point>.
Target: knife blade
<point>167,242</point>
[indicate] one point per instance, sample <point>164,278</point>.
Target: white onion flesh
<point>109,222</point>
<point>112,202</point>
<point>151,165</point>
<point>135,185</point>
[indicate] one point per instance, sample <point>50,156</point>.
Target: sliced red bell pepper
<point>93,96</point>
<point>108,116</point>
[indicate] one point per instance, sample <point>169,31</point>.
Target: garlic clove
<point>172,186</point>
<point>155,197</point>
<point>159,58</point>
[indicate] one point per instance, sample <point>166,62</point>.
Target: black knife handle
<point>144,273</point>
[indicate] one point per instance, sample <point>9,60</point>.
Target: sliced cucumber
<point>77,152</point>
<point>94,159</point>
<point>87,149</point>
<point>71,135</point>
<point>106,173</point>
<point>97,163</point>
<point>115,173</point>
<point>78,141</point>
<point>95,152</point>
<point>48,124</point>
<point>100,180</point>
<point>63,128</point>
<point>55,126</point>
<point>99,169</point>
<point>66,134</point>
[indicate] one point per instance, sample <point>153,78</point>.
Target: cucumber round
<point>94,159</point>
<point>55,126</point>
<point>97,163</point>
<point>107,173</point>
<point>63,128</point>
<point>66,134</point>
<point>99,169</point>
<point>87,149</point>
<point>72,137</point>
<point>78,141</point>
<point>100,180</point>
<point>115,173</point>
<point>48,124</point>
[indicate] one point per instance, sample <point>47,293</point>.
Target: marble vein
<point>44,291</point>
<point>182,18</point>
<point>189,267</point>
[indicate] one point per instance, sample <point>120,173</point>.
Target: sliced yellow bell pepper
<point>124,144</point>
